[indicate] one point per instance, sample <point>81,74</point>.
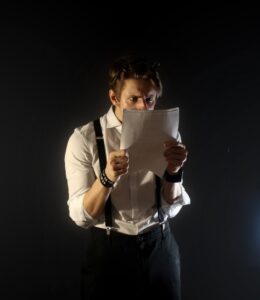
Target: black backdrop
<point>54,62</point>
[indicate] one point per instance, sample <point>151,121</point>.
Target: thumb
<point>125,152</point>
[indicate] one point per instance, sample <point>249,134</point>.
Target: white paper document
<point>143,135</point>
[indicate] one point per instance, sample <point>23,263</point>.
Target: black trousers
<point>130,267</point>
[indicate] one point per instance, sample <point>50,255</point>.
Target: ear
<point>112,97</point>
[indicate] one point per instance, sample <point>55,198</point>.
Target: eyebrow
<point>139,96</point>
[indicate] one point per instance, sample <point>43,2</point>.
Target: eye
<point>149,100</point>
<point>133,99</point>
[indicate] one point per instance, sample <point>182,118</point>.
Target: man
<point>130,249</point>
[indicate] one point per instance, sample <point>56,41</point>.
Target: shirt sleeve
<point>172,210</point>
<point>80,177</point>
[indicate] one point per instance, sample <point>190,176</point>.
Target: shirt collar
<point>112,120</point>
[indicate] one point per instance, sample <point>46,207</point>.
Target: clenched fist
<point>175,154</point>
<point>117,164</point>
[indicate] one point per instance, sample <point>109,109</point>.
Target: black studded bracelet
<point>105,180</point>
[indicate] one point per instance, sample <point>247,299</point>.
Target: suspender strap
<point>100,145</point>
<point>102,163</point>
<point>158,198</point>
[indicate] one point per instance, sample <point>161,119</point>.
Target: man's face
<point>138,94</point>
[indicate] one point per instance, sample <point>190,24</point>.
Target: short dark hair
<point>132,67</point>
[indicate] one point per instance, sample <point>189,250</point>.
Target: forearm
<point>95,199</point>
<point>171,191</point>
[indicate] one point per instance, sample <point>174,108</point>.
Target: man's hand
<point>175,154</point>
<point>117,165</point>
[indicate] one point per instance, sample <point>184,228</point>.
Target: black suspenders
<point>102,163</point>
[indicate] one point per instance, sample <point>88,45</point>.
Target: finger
<point>121,172</point>
<point>175,164</point>
<point>176,156</point>
<point>118,157</point>
<point>118,153</point>
<point>175,150</point>
<point>120,166</point>
<point>170,142</point>
<point>119,160</point>
<point>174,144</point>
<point>170,158</point>
<point>121,153</point>
<point>182,157</point>
<point>126,153</point>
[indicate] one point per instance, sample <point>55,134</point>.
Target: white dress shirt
<point>133,196</point>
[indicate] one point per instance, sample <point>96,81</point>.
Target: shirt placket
<point>134,195</point>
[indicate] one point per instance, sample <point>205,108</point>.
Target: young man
<point>130,249</point>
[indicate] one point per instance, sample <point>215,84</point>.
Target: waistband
<point>155,232</point>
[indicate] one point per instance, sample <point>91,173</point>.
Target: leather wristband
<point>173,177</point>
<point>105,180</point>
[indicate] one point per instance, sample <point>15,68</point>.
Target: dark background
<point>53,67</point>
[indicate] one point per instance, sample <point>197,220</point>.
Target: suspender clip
<point>108,230</point>
<point>163,225</point>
